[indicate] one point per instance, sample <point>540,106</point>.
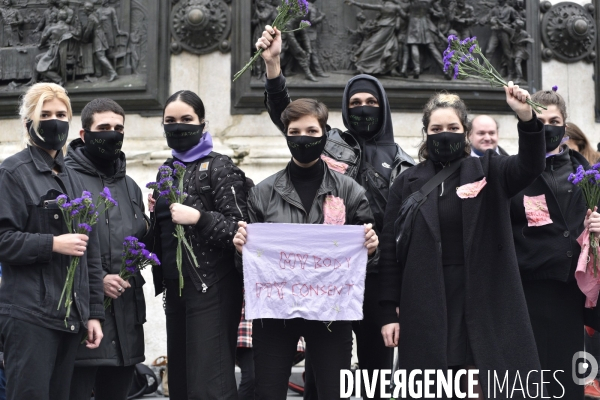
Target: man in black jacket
<point>547,218</point>
<point>367,153</point>
<point>99,162</point>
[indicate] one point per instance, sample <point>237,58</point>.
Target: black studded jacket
<point>212,236</point>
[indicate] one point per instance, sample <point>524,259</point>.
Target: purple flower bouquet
<point>135,258</point>
<point>288,10</point>
<point>460,58</point>
<point>176,195</point>
<point>80,215</point>
<point>589,183</point>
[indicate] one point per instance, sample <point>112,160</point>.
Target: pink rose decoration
<point>334,165</point>
<point>536,210</point>
<point>334,211</point>
<point>584,274</point>
<point>471,190</point>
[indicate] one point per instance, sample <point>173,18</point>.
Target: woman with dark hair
<point>298,194</point>
<point>201,322</point>
<point>579,142</point>
<point>456,300</point>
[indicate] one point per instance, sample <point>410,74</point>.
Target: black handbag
<point>409,208</point>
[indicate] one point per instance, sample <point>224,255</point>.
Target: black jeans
<point>245,358</point>
<point>108,383</point>
<point>202,339</point>
<point>38,361</point>
<point>372,352</point>
<point>275,341</point>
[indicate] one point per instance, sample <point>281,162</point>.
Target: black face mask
<point>445,146</point>
<point>366,121</point>
<point>103,144</point>
<point>554,135</point>
<point>306,149</point>
<point>182,137</point>
<point>54,132</point>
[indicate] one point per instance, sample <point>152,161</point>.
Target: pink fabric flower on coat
<point>584,274</point>
<point>471,190</point>
<point>334,211</point>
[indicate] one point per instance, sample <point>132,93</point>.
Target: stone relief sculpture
<point>65,41</point>
<point>400,39</point>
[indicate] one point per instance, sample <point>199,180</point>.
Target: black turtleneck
<point>107,168</point>
<point>307,181</point>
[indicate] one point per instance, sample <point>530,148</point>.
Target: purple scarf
<point>202,149</point>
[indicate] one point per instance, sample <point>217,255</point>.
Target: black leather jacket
<point>276,200</point>
<point>123,341</point>
<point>32,275</point>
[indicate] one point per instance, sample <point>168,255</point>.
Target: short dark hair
<point>190,98</point>
<point>97,106</point>
<point>303,107</point>
<point>551,98</point>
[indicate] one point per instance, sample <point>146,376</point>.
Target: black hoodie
<point>123,320</point>
<point>349,154</point>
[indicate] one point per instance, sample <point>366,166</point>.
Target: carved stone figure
<point>501,19</point>
<point>50,15</point>
<point>423,32</point>
<point>12,21</point>
<point>64,5</point>
<point>52,64</point>
<point>94,33</point>
<point>315,17</point>
<point>107,17</point>
<point>264,14</point>
<point>296,49</point>
<point>462,19</point>
<point>378,54</point>
<point>520,40</point>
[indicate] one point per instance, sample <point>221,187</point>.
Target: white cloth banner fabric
<point>316,272</point>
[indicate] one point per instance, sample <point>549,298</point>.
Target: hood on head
<point>386,133</point>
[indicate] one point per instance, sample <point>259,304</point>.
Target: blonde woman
<point>35,248</point>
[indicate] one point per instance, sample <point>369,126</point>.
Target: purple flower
<point>105,194</point>
<point>305,24</point>
<point>596,166</point>
<point>164,170</point>
<point>86,194</point>
<point>152,185</point>
<point>456,71</point>
<point>165,193</point>
<point>150,257</point>
<point>62,200</point>
<point>554,88</point>
<point>85,227</point>
<point>129,262</point>
<point>303,5</point>
<point>131,270</point>
<point>451,38</point>
<point>472,48</point>
<point>75,212</point>
<point>179,166</point>
<point>134,252</point>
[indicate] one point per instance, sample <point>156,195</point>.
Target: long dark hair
<point>190,98</point>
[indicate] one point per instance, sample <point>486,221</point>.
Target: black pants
<point>108,383</point>
<point>372,352</point>
<point>556,313</point>
<point>38,361</point>
<point>275,342</point>
<point>202,339</point>
<point>245,358</point>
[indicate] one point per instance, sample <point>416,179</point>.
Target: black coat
<point>32,275</point>
<point>496,315</point>
<point>123,342</point>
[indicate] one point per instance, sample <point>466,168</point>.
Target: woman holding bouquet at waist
<point>39,344</point>
<point>461,305</point>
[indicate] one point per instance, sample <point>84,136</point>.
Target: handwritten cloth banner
<point>316,272</point>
